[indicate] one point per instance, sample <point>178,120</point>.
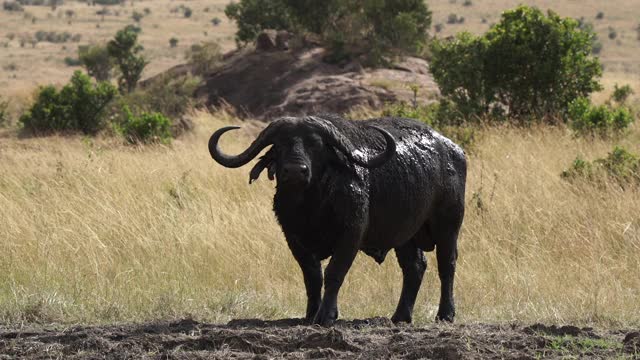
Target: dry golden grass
<point>94,231</point>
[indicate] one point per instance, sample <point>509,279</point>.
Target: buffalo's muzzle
<point>295,173</point>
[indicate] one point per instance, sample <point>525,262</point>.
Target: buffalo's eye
<point>315,142</point>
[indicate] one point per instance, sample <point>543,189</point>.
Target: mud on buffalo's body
<point>374,185</point>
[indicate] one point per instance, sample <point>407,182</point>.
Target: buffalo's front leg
<point>413,265</point>
<point>312,273</point>
<point>343,256</point>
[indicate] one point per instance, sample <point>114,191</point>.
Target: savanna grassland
<point>94,231</point>
<point>97,232</point>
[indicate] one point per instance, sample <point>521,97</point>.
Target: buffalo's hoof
<point>401,318</point>
<point>446,317</point>
<point>326,317</point>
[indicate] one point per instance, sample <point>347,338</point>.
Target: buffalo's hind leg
<point>312,273</point>
<point>413,264</point>
<point>447,255</point>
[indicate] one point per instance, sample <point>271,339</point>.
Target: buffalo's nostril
<point>295,172</point>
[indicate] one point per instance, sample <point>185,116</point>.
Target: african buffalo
<point>370,185</point>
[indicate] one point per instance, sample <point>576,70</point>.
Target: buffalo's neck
<point>307,217</point>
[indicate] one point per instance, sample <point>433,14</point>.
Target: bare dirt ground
<point>375,338</point>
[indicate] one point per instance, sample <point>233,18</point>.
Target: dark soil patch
<point>375,338</point>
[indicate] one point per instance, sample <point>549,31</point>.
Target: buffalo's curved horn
<point>230,161</point>
<point>343,144</point>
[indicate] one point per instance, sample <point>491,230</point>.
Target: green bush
<point>621,94</point>
<point>125,50</point>
<point>97,61</point>
<point>529,65</point>
<point>79,106</point>
<point>204,57</point>
<point>70,61</point>
<point>12,6</point>
<point>603,120</point>
<point>4,113</point>
<point>620,166</point>
<point>137,16</point>
<point>56,37</point>
<point>145,127</point>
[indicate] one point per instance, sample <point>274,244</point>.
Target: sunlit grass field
<point>93,231</point>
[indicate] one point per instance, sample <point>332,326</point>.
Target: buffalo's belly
<point>398,209</point>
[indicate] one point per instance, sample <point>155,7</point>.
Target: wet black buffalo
<point>373,185</point>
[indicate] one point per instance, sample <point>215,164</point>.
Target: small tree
<point>97,61</point>
<point>124,48</point>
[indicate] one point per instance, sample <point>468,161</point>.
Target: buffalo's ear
<point>267,161</point>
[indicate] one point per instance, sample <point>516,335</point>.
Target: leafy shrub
<point>620,165</point>
<point>452,19</point>
<point>70,61</point>
<point>4,113</point>
<point>173,42</point>
<point>527,66</point>
<point>56,37</point>
<point>612,33</point>
<point>467,3</point>
<point>125,50</point>
<point>204,57</point>
<point>77,107</point>
<point>216,21</point>
<point>603,120</point>
<point>597,47</point>
<point>600,15</point>
<point>187,12</point>
<point>621,94</point>
<point>97,61</point>
<point>12,6</point>
<point>137,16</point>
<point>145,127</point>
